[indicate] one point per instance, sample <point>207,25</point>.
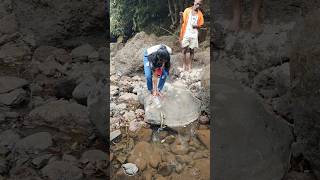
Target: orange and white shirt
<point>188,21</point>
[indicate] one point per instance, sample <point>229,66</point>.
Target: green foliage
<point>127,16</point>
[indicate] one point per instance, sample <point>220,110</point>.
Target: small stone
<point>165,169</point>
<point>155,160</point>
<point>141,163</point>
<point>204,119</point>
<point>183,159</point>
<point>204,137</point>
<point>114,134</point>
<point>144,134</point>
<point>179,168</point>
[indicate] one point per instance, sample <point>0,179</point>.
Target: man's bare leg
<point>235,23</point>
<point>190,59</point>
<point>256,26</point>
<point>184,58</point>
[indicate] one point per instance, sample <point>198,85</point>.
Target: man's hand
<point>195,27</point>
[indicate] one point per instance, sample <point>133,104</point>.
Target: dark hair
<point>161,54</point>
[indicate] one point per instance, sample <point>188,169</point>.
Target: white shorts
<point>189,42</point>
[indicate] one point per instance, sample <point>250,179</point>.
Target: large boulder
<point>305,76</point>
<point>97,108</point>
<point>129,59</point>
<point>178,107</point>
<point>61,112</point>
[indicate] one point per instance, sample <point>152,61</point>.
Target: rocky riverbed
<point>179,153</point>
<point>49,91</point>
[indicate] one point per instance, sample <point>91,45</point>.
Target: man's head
<point>197,4</point>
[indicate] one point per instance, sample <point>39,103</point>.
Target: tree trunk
<point>171,14</point>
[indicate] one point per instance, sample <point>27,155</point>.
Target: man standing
<point>192,20</point>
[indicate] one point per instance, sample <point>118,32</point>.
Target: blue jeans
<point>148,73</point>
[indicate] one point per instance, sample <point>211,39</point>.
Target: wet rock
<point>204,137</point>
<point>168,157</point>
<point>82,53</point>
<point>144,134</point>
<point>165,169</point>
<point>204,119</point>
<point>9,138</point>
<point>8,24</point>
<point>94,156</point>
<point>148,174</point>
<point>74,112</point>
<point>160,178</point>
<point>62,170</point>
<point>155,160</point>
<point>97,105</point>
<point>182,106</point>
<point>35,142</point>
<point>14,98</point>
<point>82,91</point>
<point>9,83</point>
<point>40,161</point>
<point>179,148</point>
<point>141,164</point>
<point>142,150</point>
<point>14,53</point>
<point>183,159</point>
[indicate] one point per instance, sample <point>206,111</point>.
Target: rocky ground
<point>51,93</point>
<point>275,64</point>
<point>182,153</point>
